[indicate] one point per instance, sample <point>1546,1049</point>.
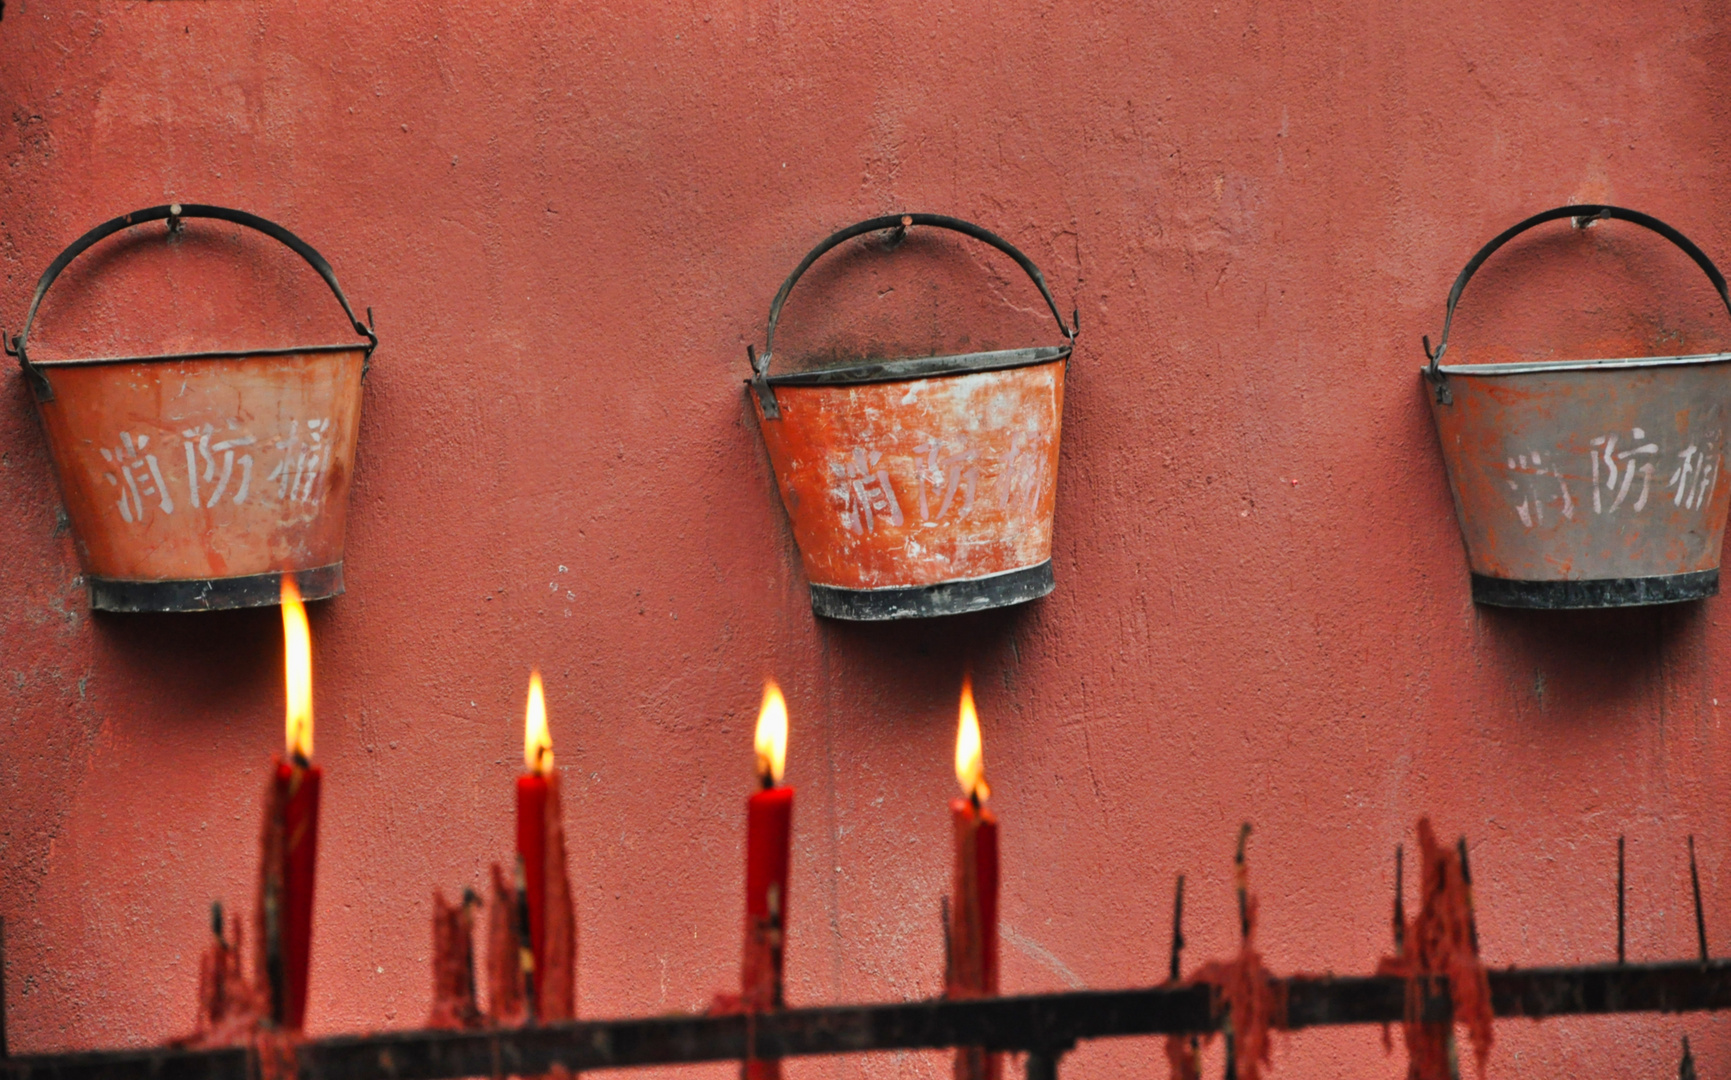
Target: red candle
<point>769,831</point>
<point>546,886</point>
<point>532,825</point>
<point>973,945</point>
<point>292,852</point>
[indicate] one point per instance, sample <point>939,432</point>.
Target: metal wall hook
<point>759,384</point>
<point>1437,378</point>
<point>175,222</point>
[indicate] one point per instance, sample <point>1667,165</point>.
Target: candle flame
<point>298,657</point>
<point>970,753</point>
<point>537,740</point>
<point>771,741</point>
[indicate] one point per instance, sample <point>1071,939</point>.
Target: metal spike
<point>1243,875</point>
<point>1177,927</point>
<point>1695,884</point>
<point>1399,900</point>
<point>1467,880</point>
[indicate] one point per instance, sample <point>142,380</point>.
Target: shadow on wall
<point>1592,667</point>
<point>210,663</point>
<point>920,662</point>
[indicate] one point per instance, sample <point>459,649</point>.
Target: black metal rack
<point>1043,1026</point>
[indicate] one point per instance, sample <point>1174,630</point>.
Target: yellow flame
<point>298,656</point>
<point>970,753</point>
<point>537,740</point>
<point>771,741</point>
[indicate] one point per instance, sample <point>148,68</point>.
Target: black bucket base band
<point>926,601</point>
<point>212,594</point>
<point>1597,592</point>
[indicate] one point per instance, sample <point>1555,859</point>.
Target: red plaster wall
<point>570,219</point>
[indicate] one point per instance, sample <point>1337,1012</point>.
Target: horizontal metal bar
<point>1042,1023</point>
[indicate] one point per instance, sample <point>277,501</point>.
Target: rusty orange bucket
<point>195,481</point>
<point>1586,483</point>
<point>924,486</point>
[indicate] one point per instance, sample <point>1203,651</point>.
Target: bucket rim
<point>1538,367</point>
<point>959,596</point>
<point>1558,594</point>
<point>212,354</point>
<point>922,367</point>
<point>213,594</point>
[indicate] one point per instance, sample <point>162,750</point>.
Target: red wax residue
<point>287,860</point>
<point>454,964</point>
<point>228,1005</point>
<point>505,1006</point>
<point>769,833</point>
<point>972,968</point>
<point>1183,1057</point>
<point>1439,941</point>
<point>1252,1001</point>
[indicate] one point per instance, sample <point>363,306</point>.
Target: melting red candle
<point>291,831</point>
<point>973,945</point>
<point>541,853</point>
<point>769,831</point>
<point>532,788</point>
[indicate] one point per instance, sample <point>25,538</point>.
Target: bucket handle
<point>174,213</point>
<point>1583,215</point>
<point>900,223</point>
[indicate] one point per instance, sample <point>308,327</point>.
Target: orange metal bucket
<point>924,486</point>
<point>1587,483</point>
<point>194,481</point>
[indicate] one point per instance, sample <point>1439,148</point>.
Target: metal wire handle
<point>1583,214</point>
<point>173,214</point>
<point>760,364</point>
